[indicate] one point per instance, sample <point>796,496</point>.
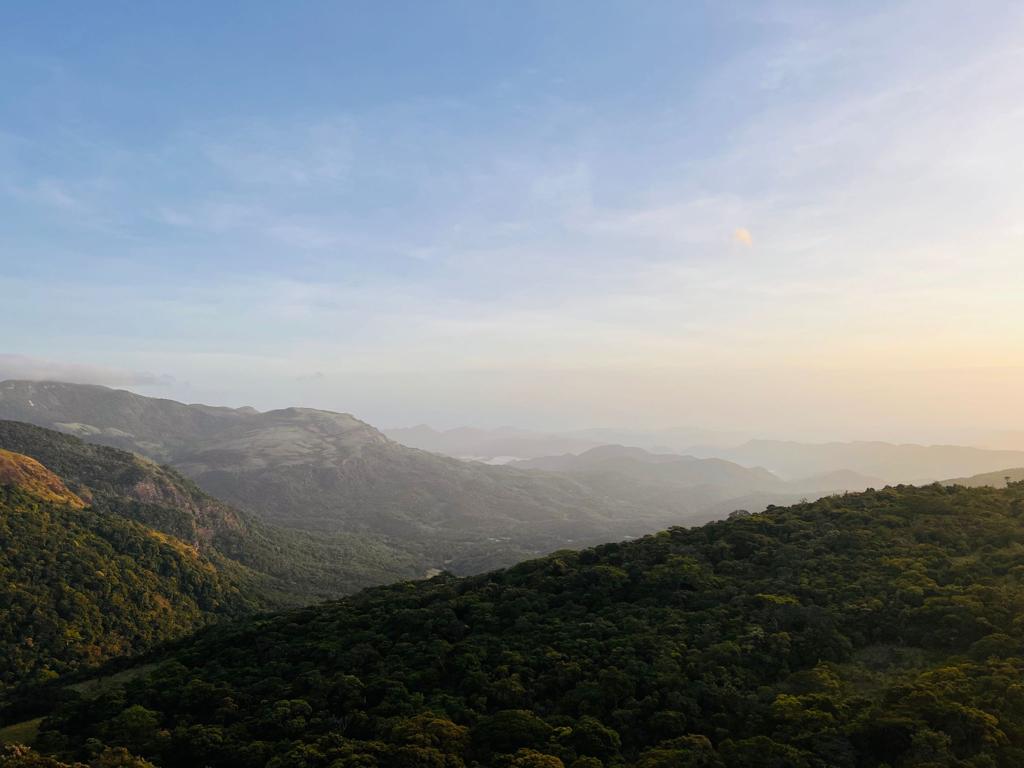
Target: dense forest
<point>111,554</point>
<point>873,629</point>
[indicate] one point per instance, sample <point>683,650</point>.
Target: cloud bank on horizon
<point>769,215</point>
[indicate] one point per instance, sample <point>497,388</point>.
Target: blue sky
<point>802,216</point>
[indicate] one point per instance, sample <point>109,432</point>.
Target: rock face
<point>32,477</point>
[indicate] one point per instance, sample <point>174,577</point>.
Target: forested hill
<point>287,567</point>
<point>80,585</point>
<point>874,629</point>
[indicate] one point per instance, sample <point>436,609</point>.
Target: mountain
<point>331,474</point>
<point>871,629</point>
<point>286,567</point>
<point>996,479</point>
<point>719,485</point>
<point>707,488</point>
<point>636,463</point>
<point>890,462</point>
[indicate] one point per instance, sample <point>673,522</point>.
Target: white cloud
<point>15,366</point>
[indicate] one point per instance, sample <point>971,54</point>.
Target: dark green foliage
<point>876,629</point>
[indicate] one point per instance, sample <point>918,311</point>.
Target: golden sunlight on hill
<point>31,476</point>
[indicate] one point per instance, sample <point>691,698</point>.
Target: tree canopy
<point>874,629</point>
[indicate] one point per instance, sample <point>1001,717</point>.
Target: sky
<point>790,218</point>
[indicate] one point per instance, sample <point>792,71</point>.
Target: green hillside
<point>874,629</point>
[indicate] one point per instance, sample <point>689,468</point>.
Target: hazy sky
<point>783,217</point>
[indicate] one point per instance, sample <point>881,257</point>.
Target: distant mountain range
<point>397,510</point>
<point>881,462</point>
<point>716,486</point>
<point>893,463</point>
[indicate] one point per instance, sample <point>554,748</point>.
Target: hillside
<point>286,567</point>
<point>28,475</point>
<point>329,473</point>
<point>994,479</point>
<point>80,585</point>
<point>872,629</point>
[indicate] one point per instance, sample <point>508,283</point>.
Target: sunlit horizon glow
<point>796,219</point>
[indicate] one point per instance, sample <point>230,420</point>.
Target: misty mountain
<point>616,468</point>
<point>890,462</point>
<point>329,472</point>
<point>154,427</point>
<point>835,480</point>
<point>332,474</point>
<point>509,442</point>
<point>281,566</point>
<point>639,464</point>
